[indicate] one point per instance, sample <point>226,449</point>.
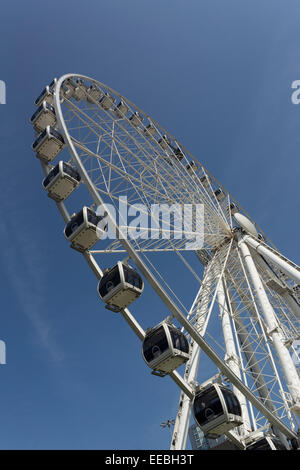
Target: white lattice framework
<point>117,158</point>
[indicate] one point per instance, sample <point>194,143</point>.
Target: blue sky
<point>217,75</point>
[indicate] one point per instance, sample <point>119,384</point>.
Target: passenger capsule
<point>178,153</point>
<point>136,119</point>
<point>121,109</point>
<point>216,410</point>
<point>266,443</point>
<point>296,290</point>
<point>192,167</point>
<point>80,92</point>
<point>205,181</point>
<point>120,286</point>
<point>220,195</point>
<point>85,229</point>
<point>93,94</point>
<point>44,116</point>
<point>66,91</point>
<point>165,348</point>
<point>46,94</point>
<point>150,130</point>
<point>164,142</point>
<point>106,101</point>
<point>233,208</point>
<point>61,181</point>
<point>78,87</point>
<point>48,144</point>
<point>260,237</point>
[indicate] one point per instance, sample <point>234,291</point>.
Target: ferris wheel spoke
<point>118,171</point>
<point>165,181</point>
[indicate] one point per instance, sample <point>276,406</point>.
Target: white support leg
<point>288,367</point>
<point>283,292</point>
<point>254,367</point>
<point>271,255</point>
<point>182,421</point>
<point>232,358</point>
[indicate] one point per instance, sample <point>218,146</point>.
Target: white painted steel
<point>287,364</point>
<point>276,258</point>
<point>145,166</point>
<point>182,422</point>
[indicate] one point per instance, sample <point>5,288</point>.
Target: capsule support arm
<point>289,268</point>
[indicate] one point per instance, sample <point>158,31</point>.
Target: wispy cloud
<point>24,265</point>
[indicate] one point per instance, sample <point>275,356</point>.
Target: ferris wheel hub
<point>245,224</point>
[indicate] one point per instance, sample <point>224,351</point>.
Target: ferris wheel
<point>239,309</point>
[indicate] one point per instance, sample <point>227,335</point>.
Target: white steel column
<point>280,261</point>
<point>254,367</point>
<point>288,367</point>
<point>231,357</point>
<point>283,292</point>
<point>182,421</point>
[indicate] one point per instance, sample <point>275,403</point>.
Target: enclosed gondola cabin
<point>120,286</point>
<point>216,410</point>
<point>48,144</point>
<point>233,209</point>
<point>220,195</point>
<point>136,119</point>
<point>61,181</point>
<point>205,181</point>
<point>150,130</point>
<point>106,101</point>
<point>85,229</point>
<point>93,94</point>
<point>191,168</point>
<point>178,153</point>
<point>121,109</point>
<point>164,142</point>
<point>165,348</point>
<point>66,91</point>
<point>44,116</point>
<point>266,443</point>
<point>78,88</point>
<point>46,94</point>
<point>296,291</point>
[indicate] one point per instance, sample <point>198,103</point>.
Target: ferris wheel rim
<point>74,155</point>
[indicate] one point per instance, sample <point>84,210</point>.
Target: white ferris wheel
<point>242,312</point>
